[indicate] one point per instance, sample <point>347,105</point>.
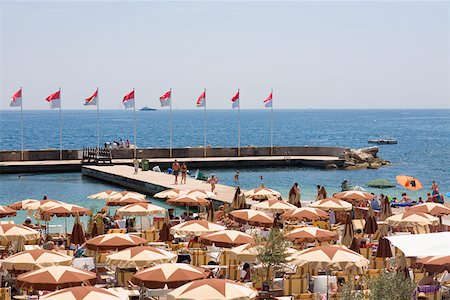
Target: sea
<point>423,149</point>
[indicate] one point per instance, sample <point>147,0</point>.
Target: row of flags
<point>129,101</point>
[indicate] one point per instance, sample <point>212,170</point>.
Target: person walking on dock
<point>183,172</point>
<point>213,181</point>
<point>176,170</point>
<point>136,165</point>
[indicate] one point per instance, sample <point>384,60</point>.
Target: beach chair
<point>199,257</point>
<point>305,296</point>
<point>5,293</point>
<point>295,284</point>
<point>418,275</point>
<point>322,225</point>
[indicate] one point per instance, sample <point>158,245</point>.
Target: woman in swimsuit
<point>183,173</point>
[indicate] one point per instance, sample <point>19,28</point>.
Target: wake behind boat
<point>383,141</point>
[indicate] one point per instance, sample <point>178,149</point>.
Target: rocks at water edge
<point>365,158</point>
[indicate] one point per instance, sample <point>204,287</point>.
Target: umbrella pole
<point>328,284</point>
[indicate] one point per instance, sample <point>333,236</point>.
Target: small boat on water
<point>146,108</point>
<point>382,141</point>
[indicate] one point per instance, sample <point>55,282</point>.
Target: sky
<point>319,54</point>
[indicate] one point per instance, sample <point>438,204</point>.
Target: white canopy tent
<point>429,244</point>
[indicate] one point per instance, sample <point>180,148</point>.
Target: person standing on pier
<point>183,172</point>
<point>176,170</point>
<point>213,181</point>
<point>136,165</point>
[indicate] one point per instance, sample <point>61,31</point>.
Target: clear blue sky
<point>324,54</point>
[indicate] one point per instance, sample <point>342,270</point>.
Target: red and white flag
<point>16,99</point>
<point>201,101</point>
<point>268,101</point>
<point>92,100</point>
<point>55,100</point>
<point>128,100</point>
<point>235,101</point>
<point>166,99</point>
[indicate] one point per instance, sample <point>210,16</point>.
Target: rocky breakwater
<point>365,158</point>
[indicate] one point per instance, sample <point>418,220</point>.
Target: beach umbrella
<point>140,257</point>
<point>200,193</point>
<point>14,232</point>
<point>411,218</point>
<point>386,210</point>
<point>310,235</point>
<point>84,293</point>
<point>371,225</point>
<point>77,237</point>
<point>6,211</point>
<point>196,227</point>
<point>348,234</point>
<point>54,278</point>
<point>384,246</point>
<point>126,200</point>
<point>217,289</point>
<point>118,195</point>
<point>252,217</point>
<point>434,264</point>
<point>409,182</point>
<point>188,200</point>
<point>41,204</point>
<point>226,238</point>
<point>65,210</point>
<point>172,193</point>
<point>274,206</point>
<point>262,193</point>
<point>35,259</point>
<point>355,245</point>
<point>380,183</point>
<point>20,204</point>
<point>332,204</point>
<point>172,275</point>
<point>335,257</point>
<point>140,209</point>
<point>305,214</point>
<point>354,196</point>
<point>431,208</point>
<point>114,241</point>
<point>102,195</point>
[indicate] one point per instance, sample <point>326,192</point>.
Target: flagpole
<point>60,125</point>
<point>170,121</point>
<point>134,109</point>
<point>98,125</point>
<point>21,122</point>
<point>271,124</point>
<point>204,128</point>
<point>239,124</point>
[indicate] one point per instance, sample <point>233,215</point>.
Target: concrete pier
<point>150,182</point>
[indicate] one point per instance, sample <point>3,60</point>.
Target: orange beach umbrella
<point>409,182</point>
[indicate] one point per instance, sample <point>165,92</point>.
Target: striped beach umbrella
<point>196,227</point>
<point>35,259</point>
<point>118,195</point>
<point>305,214</point>
<point>431,208</point>
<point>200,193</point>
<point>65,210</point>
<point>311,235</point>
<point>172,193</point>
<point>332,204</point>
<point>262,193</point>
<point>41,204</point>
<point>84,293</point>
<point>336,257</point>
<point>252,217</point>
<point>114,241</point>
<point>434,264</point>
<point>140,257</point>
<point>125,200</point>
<point>274,206</point>
<point>172,275</point>
<point>140,209</point>
<point>217,289</point>
<point>411,218</point>
<point>354,196</point>
<point>188,200</point>
<point>54,278</point>
<point>20,204</point>
<point>102,195</point>
<point>6,211</point>
<point>14,232</point>
<point>226,238</point>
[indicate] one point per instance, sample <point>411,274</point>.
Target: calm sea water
<point>423,148</point>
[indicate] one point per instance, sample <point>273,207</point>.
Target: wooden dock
<point>150,182</point>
